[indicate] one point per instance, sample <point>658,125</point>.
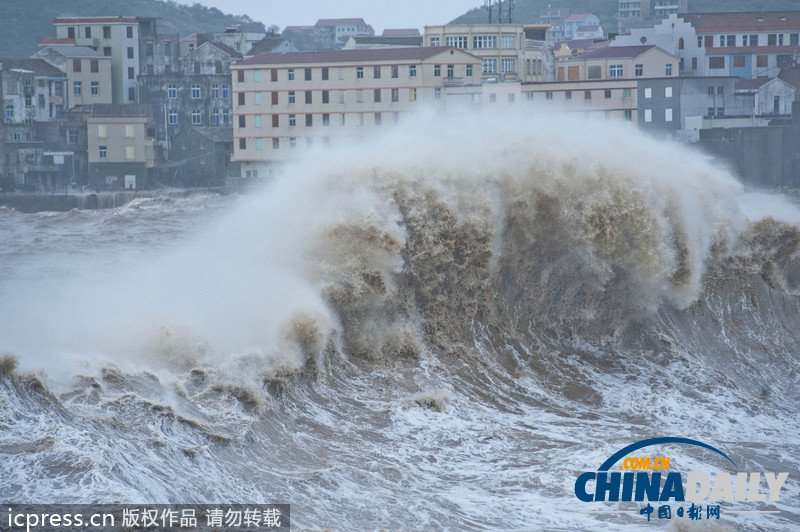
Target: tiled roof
<point>752,21</point>
<point>95,20</point>
<point>225,48</point>
<point>616,52</point>
<point>397,41</point>
<point>76,51</point>
<point>40,67</point>
<point>48,42</point>
<point>401,32</point>
<point>751,84</point>
<point>577,17</point>
<point>120,110</point>
<point>791,75</point>
<point>341,22</point>
<point>574,44</point>
<point>298,29</point>
<point>267,44</point>
<point>330,56</point>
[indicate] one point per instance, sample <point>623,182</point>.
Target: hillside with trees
<point>26,22</point>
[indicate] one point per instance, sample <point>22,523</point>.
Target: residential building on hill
<point>618,63</point>
<point>283,102</point>
<point>575,21</point>
<point>342,29</point>
<point>88,73</point>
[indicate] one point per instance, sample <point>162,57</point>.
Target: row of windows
<point>94,65</point>
<point>648,115</point>
<point>377,72</point>
<point>507,42</point>
<point>614,71</point>
<point>77,88</point>
<point>130,152</point>
<point>740,61</point>
<point>731,41</point>
<point>87,32</point>
<point>218,116</point>
<point>587,94</point>
<point>308,96</point>
<point>507,66</point>
<point>307,119</point>
<point>196,92</point>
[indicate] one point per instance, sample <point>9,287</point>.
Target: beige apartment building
<point>114,37</point>
<point>614,99</point>
<point>88,73</point>
<point>120,147</point>
<point>508,52</point>
<point>618,62</point>
<point>282,101</point>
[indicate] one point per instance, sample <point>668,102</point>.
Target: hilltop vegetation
<point>24,23</point>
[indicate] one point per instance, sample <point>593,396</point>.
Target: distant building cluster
<point>114,103</point>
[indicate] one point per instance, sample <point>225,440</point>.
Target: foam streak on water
<point>437,329</point>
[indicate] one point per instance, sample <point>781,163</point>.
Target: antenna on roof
<point>493,6</point>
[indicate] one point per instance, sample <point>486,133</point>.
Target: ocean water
<point>437,329</point>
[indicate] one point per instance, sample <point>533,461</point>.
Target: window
<point>130,52</point>
<point>95,88</point>
<point>668,92</point>
<point>716,63</point>
<point>508,41</point>
<point>627,93</point>
<point>292,120</point>
<point>129,32</point>
<point>341,97</point>
<point>215,91</point>
<point>325,96</point>
<point>489,66</point>
<point>412,71</point>
<point>259,144</point>
<point>573,72</point>
<point>274,98</point>
<point>148,49</point>
<point>130,152</point>
<point>668,69</point>
<point>292,142</point>
<point>273,74</point>
<point>529,96</point>
<point>172,92</point>
<point>107,51</point>
<point>607,94</point>
<point>76,88</point>
<point>437,93</point>
<point>594,72</point>
<point>484,41</point>
<point>376,72</point>
<point>257,76</point>
<point>648,92</point>
<point>242,144</point>
<point>326,120</point>
<point>638,70</point>
<point>131,94</point>
<point>772,39</point>
<point>226,91</point>
<point>291,74</point>
<point>173,117</point>
<point>307,74</point>
<point>242,121</point>
<point>587,95</point>
<point>241,98</point>
<point>72,136</point>
<point>395,71</point>
<point>276,120</point>
<point>226,117</point>
<point>615,71</point>
<point>721,41</point>
<point>103,152</point>
<point>730,41</point>
<point>76,65</point>
<point>568,95</point>
<point>309,97</point>
<point>434,41</point>
<point>131,73</point>
<point>395,95</point>
<point>377,95</point>
<point>341,119</point>
<point>17,136</point>
<point>699,41</point>
<point>761,61</point>
<point>668,115</point>
<point>794,39</point>
<point>360,119</point>
<point>106,32</point>
<point>508,66</point>
<point>451,71</point>
<point>378,119</point>
<point>325,74</point>
<point>511,97</point>
<point>258,121</point>
<point>457,41</point>
<point>291,97</point>
<point>648,115</point>
<point>469,70</point>
<point>215,117</point>
<point>195,91</point>
<point>359,96</point>
<point>694,63</point>
<point>720,111</point>
<point>9,111</point>
<point>628,114</point>
<point>94,65</point>
<point>548,95</point>
<point>87,32</point>
<point>28,101</point>
<point>276,143</point>
<point>437,70</point>
<point>341,73</point>
<point>359,72</point>
<point>167,49</point>
<point>309,120</point>
<point>256,98</point>
<point>412,95</point>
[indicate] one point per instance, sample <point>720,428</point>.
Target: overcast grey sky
<point>380,14</point>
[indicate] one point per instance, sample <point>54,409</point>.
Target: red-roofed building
<point>284,102</point>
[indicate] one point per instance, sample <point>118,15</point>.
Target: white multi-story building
<point>286,101</point>
<point>115,37</point>
<point>506,50</point>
